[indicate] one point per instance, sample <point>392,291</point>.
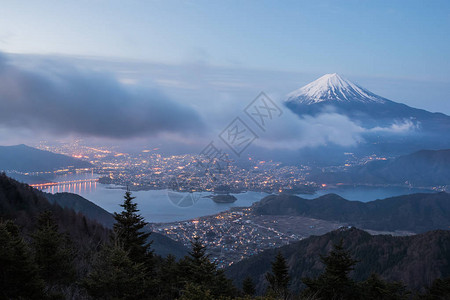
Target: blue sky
<point>400,39</point>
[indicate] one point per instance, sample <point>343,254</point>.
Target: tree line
<point>42,265</point>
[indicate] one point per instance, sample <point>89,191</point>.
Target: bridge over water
<point>78,185</point>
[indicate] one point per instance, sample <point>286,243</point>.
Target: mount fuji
<point>367,109</point>
<point>333,88</point>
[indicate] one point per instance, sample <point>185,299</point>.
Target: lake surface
<point>158,206</point>
<point>165,206</point>
<point>155,205</point>
<point>366,194</point>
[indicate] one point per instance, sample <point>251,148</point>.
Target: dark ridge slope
<point>415,260</point>
<point>416,212</point>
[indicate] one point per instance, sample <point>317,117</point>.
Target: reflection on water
<point>81,183</point>
<point>76,188</point>
<point>156,206</point>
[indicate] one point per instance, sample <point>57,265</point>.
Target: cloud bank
<point>292,132</point>
<point>63,100</point>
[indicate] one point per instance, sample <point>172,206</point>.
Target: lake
<point>165,206</point>
<point>155,205</point>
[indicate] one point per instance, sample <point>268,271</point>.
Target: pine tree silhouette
<point>334,283</point>
<point>248,287</point>
<point>116,276</point>
<point>198,271</point>
<point>279,278</point>
<point>128,232</point>
<point>19,277</point>
<point>53,253</point>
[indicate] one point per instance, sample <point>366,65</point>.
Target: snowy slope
<point>332,88</point>
<point>369,110</point>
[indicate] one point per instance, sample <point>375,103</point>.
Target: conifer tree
<point>129,234</point>
<point>169,282</point>
<point>198,252</point>
<point>334,283</point>
<point>19,277</point>
<point>194,291</point>
<point>439,290</point>
<point>53,252</point>
<point>248,287</point>
<point>197,265</point>
<point>198,269</point>
<point>279,278</point>
<point>376,288</point>
<point>116,276</point>
<point>128,230</point>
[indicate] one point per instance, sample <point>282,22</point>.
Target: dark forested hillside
<point>23,204</point>
<point>161,244</point>
<point>58,252</point>
<point>86,222</point>
<point>416,212</point>
<point>414,260</point>
<point>82,205</point>
<point>27,159</point>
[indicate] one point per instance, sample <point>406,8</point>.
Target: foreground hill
<point>27,159</point>
<point>415,213</point>
<point>162,245</point>
<point>415,260</point>
<point>87,223</point>
<point>421,168</point>
<point>82,205</point>
<point>23,204</point>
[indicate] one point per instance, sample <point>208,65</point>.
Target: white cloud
<point>292,132</point>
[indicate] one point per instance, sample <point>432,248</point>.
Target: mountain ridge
<point>421,168</point>
<point>24,158</point>
<point>415,260</point>
<point>414,213</point>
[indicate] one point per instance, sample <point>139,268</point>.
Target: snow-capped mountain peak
<point>330,88</point>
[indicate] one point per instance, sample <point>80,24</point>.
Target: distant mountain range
<point>415,260</point>
<point>422,168</point>
<point>414,213</point>
<point>23,158</point>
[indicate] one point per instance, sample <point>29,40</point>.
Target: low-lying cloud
<point>292,132</point>
<point>62,100</point>
<point>398,127</point>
